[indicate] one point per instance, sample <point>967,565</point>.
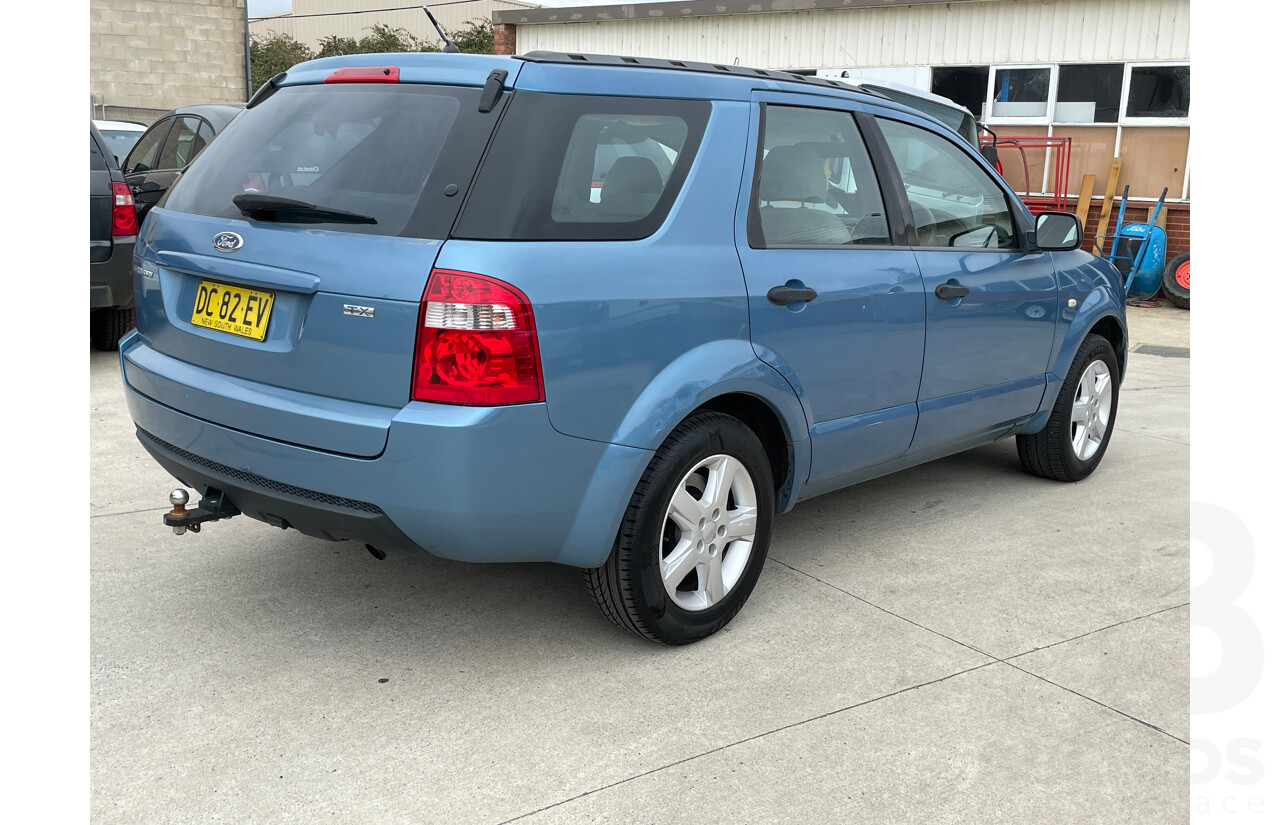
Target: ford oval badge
<point>227,242</point>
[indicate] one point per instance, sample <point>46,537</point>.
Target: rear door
<point>836,305</point>
<point>992,304</point>
<point>271,307</point>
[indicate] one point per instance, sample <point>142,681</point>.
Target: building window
<point>1159,92</point>
<point>966,85</point>
<point>1089,93</point>
<point>1021,93</point>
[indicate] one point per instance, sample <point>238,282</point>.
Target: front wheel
<point>1072,444</point>
<point>694,537</point>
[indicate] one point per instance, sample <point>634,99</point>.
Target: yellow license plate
<point>233,309</point>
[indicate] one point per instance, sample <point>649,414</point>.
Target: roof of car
<point>219,114</point>
<point>120,125</point>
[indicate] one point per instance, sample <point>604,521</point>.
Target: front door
<point>836,305</point>
<point>992,305</point>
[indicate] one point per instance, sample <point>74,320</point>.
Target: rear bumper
<point>111,281</point>
<point>494,484</point>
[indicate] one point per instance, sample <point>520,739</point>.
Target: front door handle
<point>783,295</point>
<point>948,291</point>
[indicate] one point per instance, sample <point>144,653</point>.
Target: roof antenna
<point>449,47</point>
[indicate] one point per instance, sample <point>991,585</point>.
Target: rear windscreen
<point>386,153</point>
<point>580,167</point>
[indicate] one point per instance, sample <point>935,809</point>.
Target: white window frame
<point>989,107</point>
<point>1126,120</point>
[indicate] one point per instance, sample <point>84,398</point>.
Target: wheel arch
<point>765,422</point>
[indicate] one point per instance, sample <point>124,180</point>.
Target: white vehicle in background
<point>120,136</point>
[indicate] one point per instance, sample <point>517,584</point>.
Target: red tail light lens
<point>124,220</point>
<point>476,343</point>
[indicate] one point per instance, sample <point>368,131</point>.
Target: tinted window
<point>577,167</point>
<point>953,201</point>
<point>814,182</point>
<point>358,148</point>
<point>143,156</point>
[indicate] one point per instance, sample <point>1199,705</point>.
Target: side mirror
<point>1058,231</point>
<point>991,154</point>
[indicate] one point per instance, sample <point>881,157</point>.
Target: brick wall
<point>161,54</point>
<point>504,38</point>
<point>1177,223</point>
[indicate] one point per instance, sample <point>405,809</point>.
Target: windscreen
<point>361,149</point>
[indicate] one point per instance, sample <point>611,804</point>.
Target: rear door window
<point>142,158</point>
<point>180,147</point>
<point>366,149</point>
<point>605,168</point>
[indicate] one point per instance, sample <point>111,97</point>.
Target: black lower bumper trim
<point>282,505</point>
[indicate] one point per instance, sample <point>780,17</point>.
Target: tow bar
<point>212,507</point>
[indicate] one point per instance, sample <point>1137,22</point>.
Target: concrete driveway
<point>957,643</point>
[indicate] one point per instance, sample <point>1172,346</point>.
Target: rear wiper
<point>262,206</point>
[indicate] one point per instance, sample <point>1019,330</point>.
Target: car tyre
<point>1072,444</point>
<point>1177,281</point>
<point>694,537</point>
<point>108,326</point>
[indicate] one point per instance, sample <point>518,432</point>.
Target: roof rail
<point>690,66</point>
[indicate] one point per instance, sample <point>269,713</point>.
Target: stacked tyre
<point>1177,281</point>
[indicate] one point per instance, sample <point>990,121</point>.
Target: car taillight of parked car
<point>124,219</point>
<point>477,344</point>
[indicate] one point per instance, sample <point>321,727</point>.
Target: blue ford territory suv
<point>615,313</point>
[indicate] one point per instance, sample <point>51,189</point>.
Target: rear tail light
<point>476,343</point>
<point>124,220</point>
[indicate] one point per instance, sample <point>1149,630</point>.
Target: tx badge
<point>358,311</point>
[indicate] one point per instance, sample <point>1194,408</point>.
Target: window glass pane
<point>143,156</point>
<point>177,146</point>
<point>1089,93</point>
<point>816,181</point>
<point>583,167</point>
<point>1159,91</point>
<point>1021,93</point>
<point>954,203</point>
<point>350,147</point>
<point>966,85</point>
<point>631,162</point>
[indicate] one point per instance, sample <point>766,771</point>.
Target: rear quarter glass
<point>389,152</point>
<point>547,175</point>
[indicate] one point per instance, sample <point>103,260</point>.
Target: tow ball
<point>212,507</point>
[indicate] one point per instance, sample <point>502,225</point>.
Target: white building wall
<point>1000,31</point>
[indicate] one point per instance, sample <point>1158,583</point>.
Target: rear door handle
<point>783,295</point>
<point>948,291</point>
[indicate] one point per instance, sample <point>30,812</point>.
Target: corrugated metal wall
<point>311,30</point>
<point>1001,31</point>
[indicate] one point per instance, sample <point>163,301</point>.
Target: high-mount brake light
<point>365,74</point>
<point>124,218</point>
<point>477,344</point>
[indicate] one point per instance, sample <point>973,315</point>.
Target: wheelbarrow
<point>1138,251</point>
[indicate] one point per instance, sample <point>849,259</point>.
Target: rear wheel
<point>1177,281</point>
<point>1072,444</point>
<point>108,326</point>
<point>694,537</point>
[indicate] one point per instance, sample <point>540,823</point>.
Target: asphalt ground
<point>961,642</point>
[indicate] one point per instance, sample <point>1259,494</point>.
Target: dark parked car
<point>169,145</point>
<point>113,227</point>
